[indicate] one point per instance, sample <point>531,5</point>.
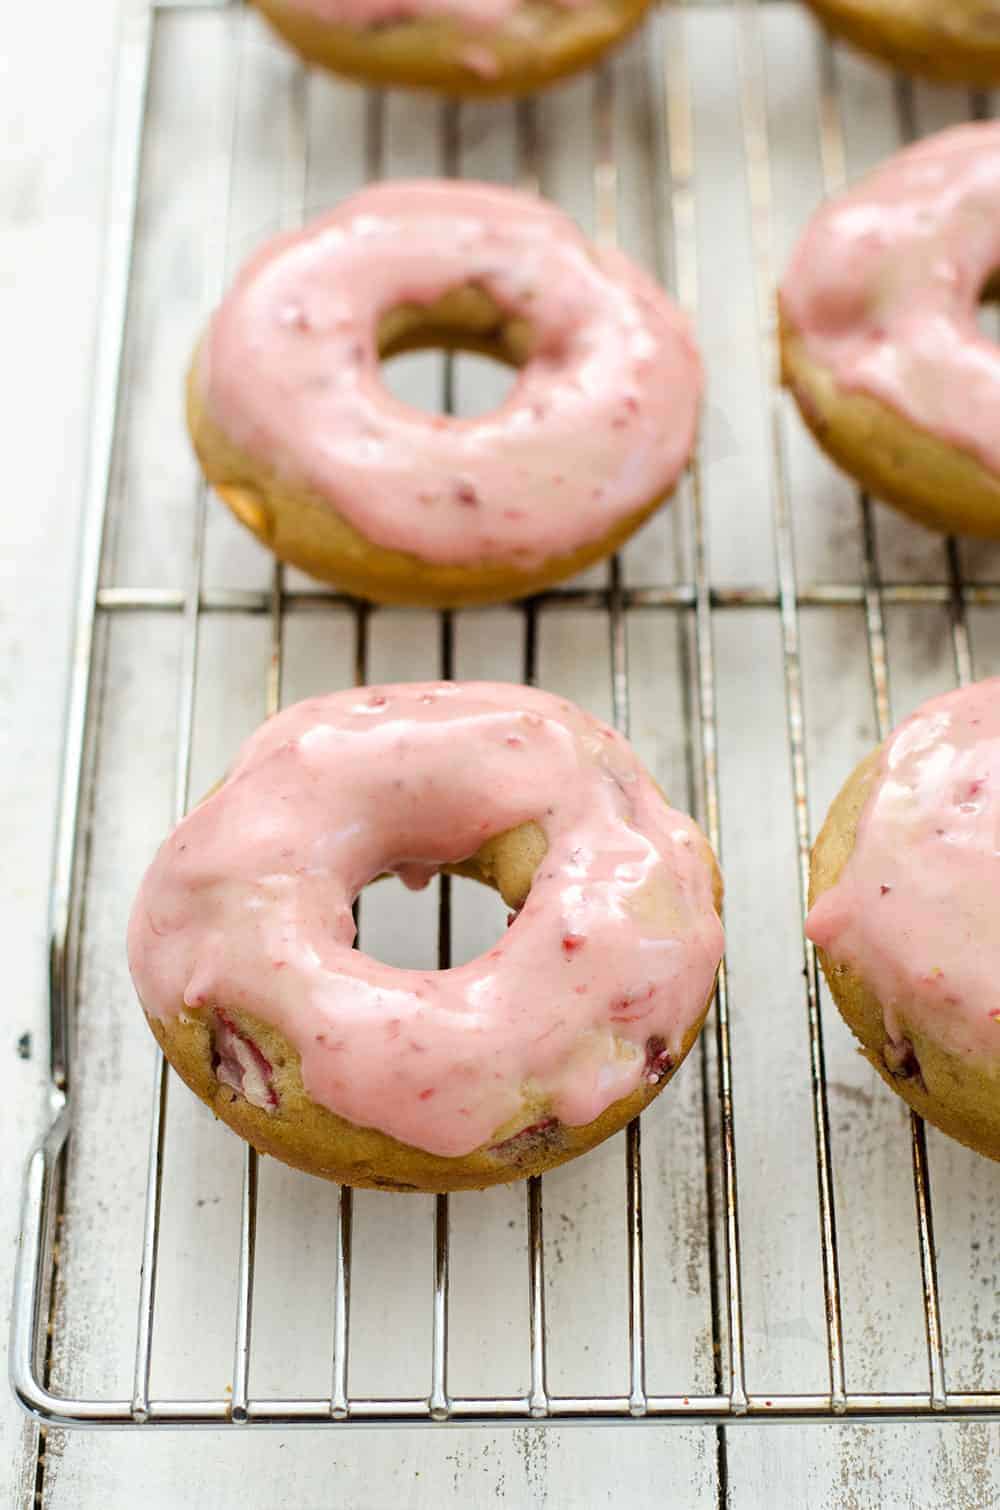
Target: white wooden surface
<point>56,104</point>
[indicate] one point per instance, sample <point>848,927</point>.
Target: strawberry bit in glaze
<point>631,1008</point>
<point>239,1063</point>
<point>631,408</point>
<point>967,802</point>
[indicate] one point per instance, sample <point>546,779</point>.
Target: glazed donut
<point>879,339</point>
<point>240,939</point>
<point>950,41</point>
<point>295,431</point>
<point>463,47</point>
<point>905,879</point>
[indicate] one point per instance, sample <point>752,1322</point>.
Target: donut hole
<point>399,926</point>
<point>988,319</point>
<point>988,308</point>
<point>478,385</point>
<point>487,344</point>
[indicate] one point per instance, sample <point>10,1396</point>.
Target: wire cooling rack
<point>692,604</point>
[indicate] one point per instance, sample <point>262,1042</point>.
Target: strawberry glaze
<point>247,906</point>
<point>599,424</point>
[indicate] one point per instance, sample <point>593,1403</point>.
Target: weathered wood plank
<point>54,131</point>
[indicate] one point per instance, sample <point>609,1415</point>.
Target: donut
<point>240,938</point>
<point>294,429</point>
<point>950,41</point>
<point>879,341</point>
<point>463,47</point>
<point>904,885</point>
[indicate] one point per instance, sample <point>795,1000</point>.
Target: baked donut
<point>950,41</point>
<point>905,879</point>
<point>240,940</point>
<point>463,47</point>
<point>879,340</point>
<point>296,432</point>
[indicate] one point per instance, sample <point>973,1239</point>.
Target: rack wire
<point>696,604</point>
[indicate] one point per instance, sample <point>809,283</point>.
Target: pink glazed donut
<point>880,344</point>
<point>240,940</point>
<point>905,887</point>
<point>296,431</point>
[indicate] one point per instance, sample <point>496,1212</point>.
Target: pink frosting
<point>884,284</point>
<point>247,906</point>
<point>361,13</point>
<point>600,421</point>
<point>914,912</point>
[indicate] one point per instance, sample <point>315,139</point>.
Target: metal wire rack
<point>696,604</point>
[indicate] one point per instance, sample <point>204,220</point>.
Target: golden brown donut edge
<point>913,39</point>
<point>432,52</point>
<point>939,485</point>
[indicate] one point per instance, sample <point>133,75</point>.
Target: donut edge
<point>942,487</point>
<point>945,1090</point>
<point>311,1138</point>
<point>426,53</point>
<point>299,526</point>
<point>909,44</point>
